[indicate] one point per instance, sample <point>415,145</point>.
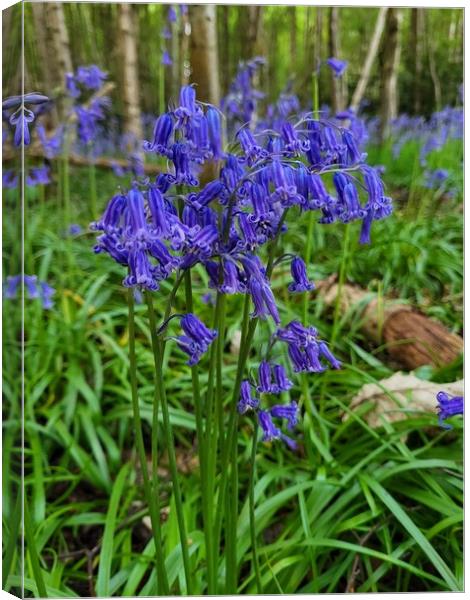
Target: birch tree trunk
<point>130,78</point>
<point>390,64</point>
<point>337,97</point>
<point>60,39</point>
<point>370,58</point>
<point>204,54</point>
<point>431,44</point>
<point>44,52</point>
<point>417,38</point>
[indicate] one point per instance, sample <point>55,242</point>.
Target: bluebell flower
<point>172,14</point>
<point>71,85</point>
<point>210,192</point>
<point>326,353</point>
<point>74,229</point>
<point>161,135</point>
<point>168,263</point>
<point>289,412</point>
<point>21,119</point>
<point>448,407</point>
<point>111,221</point>
<point>188,112</point>
<point>141,272</point>
<point>91,77</point>
<point>293,143</point>
<point>247,401</point>
<point>166,59</point>
<point>282,382</point>
<point>337,66</point>
<point>34,289</point>
<point>158,212</point>
<point>12,285</point>
<point>263,300</point>
<point>253,152</point>
<point>38,176</point>
<point>136,221</point>
<point>31,98</point>
<point>214,132</point>
<point>271,432</point>
<point>31,284</point>
<point>301,282</point>
<point>52,144</point>
<point>45,293</point>
<point>354,156</point>
<point>285,190</point>
<point>265,385</point>
<point>180,158</point>
<point>197,338</point>
<point>9,179</point>
<point>378,206</point>
<point>166,33</point>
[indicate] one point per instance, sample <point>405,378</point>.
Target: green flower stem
<point>168,432</point>
<point>203,453</point>
<point>229,450</point>
<point>254,545</point>
<point>162,579</point>
<point>93,194</point>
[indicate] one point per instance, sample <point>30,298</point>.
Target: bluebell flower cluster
<point>242,100</point>
<point>159,228</point>
<point>272,379</point>
<point>448,406</point>
<point>89,108</point>
<point>38,176</point>
<point>34,289</point>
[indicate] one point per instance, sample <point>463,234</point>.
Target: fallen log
<point>411,338</point>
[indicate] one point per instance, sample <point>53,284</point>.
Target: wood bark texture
<point>391,49</point>
<point>412,338</point>
<point>370,58</point>
<point>337,98</point>
<point>204,53</point>
<point>130,78</point>
<point>59,38</point>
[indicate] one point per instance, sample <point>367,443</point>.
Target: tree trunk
<point>250,30</point>
<point>130,77</point>
<point>371,56</point>
<point>44,52</point>
<point>337,97</point>
<point>204,56</point>
<point>293,33</point>
<point>59,38</point>
<point>417,38</point>
<point>390,63</point>
<point>175,69</point>
<point>432,64</point>
<point>317,54</point>
<point>224,41</point>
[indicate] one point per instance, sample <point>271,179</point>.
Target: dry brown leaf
<point>401,396</point>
